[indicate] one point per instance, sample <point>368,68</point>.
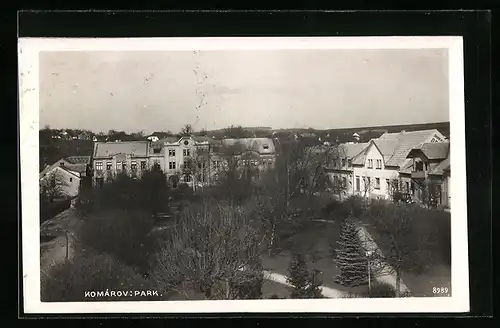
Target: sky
<point>164,90</point>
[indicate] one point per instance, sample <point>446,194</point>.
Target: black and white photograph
<point>274,174</point>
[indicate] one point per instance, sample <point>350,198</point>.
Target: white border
<point>29,49</point>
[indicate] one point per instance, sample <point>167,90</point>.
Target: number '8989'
<point>440,290</point>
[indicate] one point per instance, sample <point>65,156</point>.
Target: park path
<point>54,251</point>
<point>369,244</point>
<point>281,279</point>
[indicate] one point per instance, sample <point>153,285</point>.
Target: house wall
<point>114,160</point>
<point>384,175</point>
<point>70,183</point>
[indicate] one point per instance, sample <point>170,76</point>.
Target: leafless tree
<point>53,186</point>
<point>394,224</point>
<point>303,168</point>
<point>187,130</point>
<point>213,248</point>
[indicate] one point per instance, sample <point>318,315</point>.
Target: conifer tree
<point>313,289</point>
<point>298,276</point>
<point>349,257</point>
<point>305,284</point>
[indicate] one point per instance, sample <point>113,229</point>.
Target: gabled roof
<point>57,167</point>
<point>442,167</point>
<point>109,149</point>
<point>395,147</point>
<point>433,150</point>
<point>350,150</point>
<point>260,145</point>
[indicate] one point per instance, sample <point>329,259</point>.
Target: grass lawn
<point>315,241</point>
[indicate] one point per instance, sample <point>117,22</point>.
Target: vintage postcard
<point>234,175</point>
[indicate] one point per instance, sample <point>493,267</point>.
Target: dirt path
<point>281,279</point>
<point>54,251</point>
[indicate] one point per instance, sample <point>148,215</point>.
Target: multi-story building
<point>112,158</point>
<point>427,173</point>
<point>195,160</point>
<point>373,169</point>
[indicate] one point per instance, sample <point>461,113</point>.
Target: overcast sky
<point>159,90</point>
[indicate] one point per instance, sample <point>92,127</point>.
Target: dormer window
<point>62,163</point>
<point>266,147</point>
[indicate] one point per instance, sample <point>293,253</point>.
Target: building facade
<point>428,172</point>
<point>195,160</point>
<point>377,169</point>
<point>59,182</point>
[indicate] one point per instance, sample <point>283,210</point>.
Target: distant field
<point>54,150</point>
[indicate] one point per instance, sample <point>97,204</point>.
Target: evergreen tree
<point>350,258</point>
<point>313,289</point>
<point>298,276</point>
<point>305,284</point>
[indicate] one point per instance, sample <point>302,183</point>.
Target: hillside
<point>367,133</point>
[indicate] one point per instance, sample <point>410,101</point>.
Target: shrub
<point>122,233</point>
<point>378,290</point>
<point>92,272</point>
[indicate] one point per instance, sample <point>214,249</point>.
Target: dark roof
<point>78,159</point>
<point>436,150</point>
<point>260,145</point>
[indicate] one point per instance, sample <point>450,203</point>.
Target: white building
<point>375,170</point>
<point>60,182</point>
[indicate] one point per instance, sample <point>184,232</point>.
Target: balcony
<point>418,174</point>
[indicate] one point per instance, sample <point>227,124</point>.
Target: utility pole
<point>67,245</point>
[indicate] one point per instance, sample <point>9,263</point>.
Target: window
<point>343,161</point>
<point>156,150</point>
<point>370,163</point>
<point>358,186</point>
<point>70,179</point>
<point>171,165</point>
<point>407,187</point>
<point>124,166</point>
<point>62,163</point>
<point>143,165</point>
<point>187,178</point>
<point>344,181</point>
<point>118,165</point>
<point>377,183</point>
<point>368,182</point>
<point>133,165</point>
<point>98,166</point>
<point>171,152</point>
<point>419,166</point>
<point>388,184</point>
<point>109,166</point>
<point>185,164</point>
<point>349,163</point>
<point>186,143</point>
<point>185,152</point>
<point>426,166</point>
<point>379,164</point>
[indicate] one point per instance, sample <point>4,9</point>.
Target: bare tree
<point>212,249</point>
<point>394,224</point>
<point>303,168</point>
<point>187,130</point>
<point>53,186</point>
